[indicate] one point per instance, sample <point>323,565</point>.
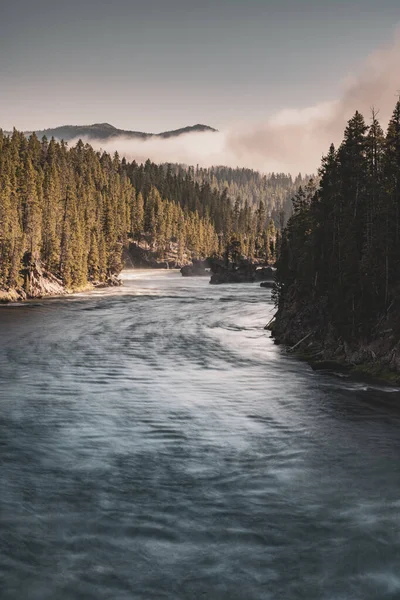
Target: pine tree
<point>74,210</point>
<point>31,209</point>
<point>340,251</point>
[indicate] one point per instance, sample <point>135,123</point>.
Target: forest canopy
<point>340,252</point>
<point>75,209</point>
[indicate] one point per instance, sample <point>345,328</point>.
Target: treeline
<point>274,190</point>
<point>251,228</point>
<point>75,209</point>
<point>340,252</point>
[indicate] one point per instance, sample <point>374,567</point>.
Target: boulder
<point>196,269</point>
<point>114,281</point>
<point>267,284</point>
<point>233,275</point>
<point>265,273</point>
<point>243,272</point>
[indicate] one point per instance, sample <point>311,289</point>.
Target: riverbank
<point>307,334</point>
<point>20,295</point>
<point>41,284</point>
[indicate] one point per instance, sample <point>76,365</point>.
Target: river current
<point>155,444</point>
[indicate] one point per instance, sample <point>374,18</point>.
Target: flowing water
<point>156,444</point>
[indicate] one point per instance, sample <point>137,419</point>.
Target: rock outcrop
<point>245,272</point>
<point>39,282</point>
<point>198,268</point>
<point>265,274</point>
<point>306,330</point>
<point>112,281</point>
<point>142,256</point>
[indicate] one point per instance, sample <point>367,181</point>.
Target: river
<point>156,444</point>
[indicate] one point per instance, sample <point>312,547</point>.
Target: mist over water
<point>155,443</point>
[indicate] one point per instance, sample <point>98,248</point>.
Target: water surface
<point>156,444</point>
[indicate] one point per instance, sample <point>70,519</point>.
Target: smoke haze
<point>293,140</point>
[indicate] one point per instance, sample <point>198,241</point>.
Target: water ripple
<point>156,444</point>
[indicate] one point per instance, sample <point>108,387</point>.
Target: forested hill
<point>71,212</point>
<point>105,131</point>
<point>275,190</point>
<point>338,278</point>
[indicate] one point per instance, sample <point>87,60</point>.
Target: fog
<point>292,140</point>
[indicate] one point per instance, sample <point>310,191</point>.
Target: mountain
<point>105,131</point>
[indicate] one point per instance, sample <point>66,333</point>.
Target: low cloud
<point>295,140</point>
<point>290,141</point>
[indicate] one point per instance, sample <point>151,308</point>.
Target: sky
<point>163,64</point>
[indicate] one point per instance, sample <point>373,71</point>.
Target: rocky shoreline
<point>198,268</point>
<point>40,283</point>
<point>304,332</point>
<point>221,272</point>
<point>244,272</point>
<point>142,256</point>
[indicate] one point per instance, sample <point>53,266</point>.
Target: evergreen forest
<point>74,210</point>
<point>274,190</point>
<point>339,268</point>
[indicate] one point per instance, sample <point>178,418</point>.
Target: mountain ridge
<point>105,131</point>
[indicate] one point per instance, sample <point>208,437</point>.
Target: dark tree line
<point>340,251</point>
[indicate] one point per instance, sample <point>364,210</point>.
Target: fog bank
<point>292,140</point>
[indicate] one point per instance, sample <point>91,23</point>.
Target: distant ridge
<point>105,131</point>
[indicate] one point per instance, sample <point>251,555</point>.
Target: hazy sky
<point>155,65</point>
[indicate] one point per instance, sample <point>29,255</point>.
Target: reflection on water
<point>154,443</point>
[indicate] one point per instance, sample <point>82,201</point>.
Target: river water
<point>156,444</point>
